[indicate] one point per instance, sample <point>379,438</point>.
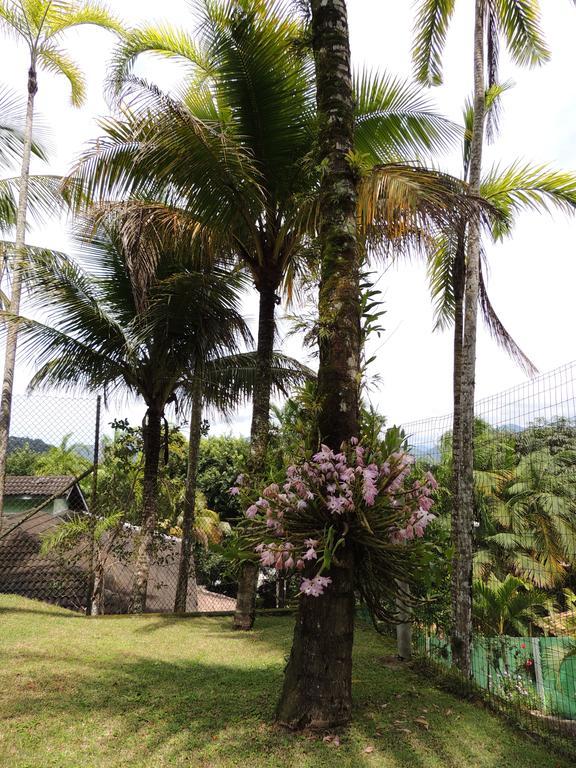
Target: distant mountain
<point>85,451</point>
<point>36,445</point>
<point>431,452</point>
<point>510,428</point>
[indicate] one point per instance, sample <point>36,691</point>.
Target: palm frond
<point>57,61</point>
<point>431,27</point>
<point>519,22</point>
<point>161,40</point>
<point>499,332</point>
<point>441,278</point>
<point>44,198</point>
<point>399,201</point>
<point>229,380</point>
<point>64,16</point>
<point>526,187</point>
<point>394,119</point>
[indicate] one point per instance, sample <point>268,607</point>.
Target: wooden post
<point>404,627</point>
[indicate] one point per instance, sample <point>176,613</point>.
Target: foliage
<point>64,459</point>
<point>23,461</point>
<point>508,607</point>
<point>221,460</point>
<point>77,528</point>
<point>40,25</point>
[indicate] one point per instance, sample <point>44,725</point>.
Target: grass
<point>133,692</point>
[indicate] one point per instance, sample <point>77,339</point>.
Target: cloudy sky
<point>532,278</point>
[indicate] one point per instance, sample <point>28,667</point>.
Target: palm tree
<point>64,459</point>
<point>517,22</point>
<point>246,123</point>
<point>509,190</point>
<point>11,142</point>
<point>42,191</point>
<point>40,24</point>
<point>220,383</point>
<point>507,607</point>
<point>322,645</point>
<point>101,535</point>
<point>138,321</point>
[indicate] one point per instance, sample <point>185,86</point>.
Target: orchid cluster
<point>330,490</point>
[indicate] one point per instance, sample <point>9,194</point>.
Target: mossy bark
<point>317,689</point>
<point>152,439</point>
<point>463,458</point>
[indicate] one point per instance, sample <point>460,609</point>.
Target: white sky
<point>532,277</point>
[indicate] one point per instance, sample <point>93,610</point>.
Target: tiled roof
<point>25,485</point>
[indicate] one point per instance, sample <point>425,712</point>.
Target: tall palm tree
<point>322,646</point>
<point>40,25</point>
<point>509,190</point>
<point>518,23</point>
<point>11,143</point>
<point>221,383</point>
<point>43,194</point>
<point>139,321</point>
<point>246,122</point>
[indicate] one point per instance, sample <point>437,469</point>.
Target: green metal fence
<point>535,673</point>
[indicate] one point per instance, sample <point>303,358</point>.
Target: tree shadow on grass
<point>51,611</point>
<point>195,713</point>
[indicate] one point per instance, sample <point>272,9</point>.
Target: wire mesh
<point>524,571</point>
<point>68,540</point>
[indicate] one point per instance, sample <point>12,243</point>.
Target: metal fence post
<point>538,670</point>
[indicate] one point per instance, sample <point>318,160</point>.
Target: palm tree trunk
<point>463,512</point>
<point>152,432</point>
<point>186,571</point>
<point>318,679</point>
<point>317,688</point>
<point>97,598</point>
<point>259,431</point>
<point>12,331</point>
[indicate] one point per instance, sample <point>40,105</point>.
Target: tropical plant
<point>246,122</point>
<point>100,534</point>
<point>508,607</point>
<point>519,25</point>
<point>534,525</point>
<point>11,143</point>
<point>40,26</point>
<point>139,321</point>
<point>65,459</point>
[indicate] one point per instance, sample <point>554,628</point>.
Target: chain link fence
<point>524,577</point>
<point>72,508</point>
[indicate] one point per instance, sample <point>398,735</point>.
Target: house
<point>63,578</point>
<point>23,493</point>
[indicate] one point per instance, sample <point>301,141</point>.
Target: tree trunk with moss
<point>186,570</point>
<point>463,508</point>
<point>152,439</point>
<point>259,434</point>
<point>317,690</point>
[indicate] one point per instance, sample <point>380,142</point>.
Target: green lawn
<point>166,692</point>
